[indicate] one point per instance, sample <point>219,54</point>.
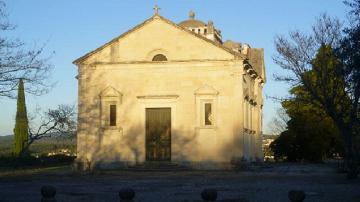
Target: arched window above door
<point>159,57</point>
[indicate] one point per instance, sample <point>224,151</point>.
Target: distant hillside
<point>42,146</point>
<point>6,141</point>
<point>6,138</point>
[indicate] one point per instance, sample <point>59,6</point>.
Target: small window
<point>199,31</point>
<point>112,115</point>
<point>205,31</point>
<point>193,30</point>
<point>208,115</point>
<point>159,57</point>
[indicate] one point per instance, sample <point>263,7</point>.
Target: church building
<point>170,92</point>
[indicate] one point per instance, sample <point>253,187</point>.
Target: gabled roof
<point>157,16</point>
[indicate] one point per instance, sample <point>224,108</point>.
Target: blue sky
<point>72,28</point>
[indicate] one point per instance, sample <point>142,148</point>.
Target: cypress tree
<point>21,123</point>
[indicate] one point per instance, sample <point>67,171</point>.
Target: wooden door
<point>158,134</point>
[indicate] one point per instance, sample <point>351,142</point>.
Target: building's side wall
<point>259,121</point>
<point>252,115</point>
<point>167,84</point>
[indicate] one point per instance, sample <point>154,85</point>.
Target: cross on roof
<point>156,9</point>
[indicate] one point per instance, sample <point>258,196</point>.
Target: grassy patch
<point>10,162</point>
<point>9,172</point>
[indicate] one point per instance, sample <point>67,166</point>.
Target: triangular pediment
<point>158,35</point>
<point>110,92</point>
<point>206,90</point>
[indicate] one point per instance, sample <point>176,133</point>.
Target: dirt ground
<point>267,183</point>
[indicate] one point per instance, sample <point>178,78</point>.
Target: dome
<point>192,23</point>
<point>232,45</point>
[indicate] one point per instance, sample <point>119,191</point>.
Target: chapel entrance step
<point>158,166</point>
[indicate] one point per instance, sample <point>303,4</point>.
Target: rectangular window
<point>112,115</point>
<point>208,115</point>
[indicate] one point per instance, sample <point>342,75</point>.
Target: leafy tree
<point>349,53</point>
<point>311,135</point>
<point>16,62</point>
<point>284,147</point>
<point>330,82</point>
<point>21,123</point>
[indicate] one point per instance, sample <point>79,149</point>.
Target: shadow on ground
<point>272,182</point>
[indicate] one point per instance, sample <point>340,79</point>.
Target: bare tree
<point>278,123</point>
<point>17,62</point>
<point>296,53</point>
<point>53,122</point>
<point>327,83</point>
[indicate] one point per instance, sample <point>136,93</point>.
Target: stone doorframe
<point>158,101</point>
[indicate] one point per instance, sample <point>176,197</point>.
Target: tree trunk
<point>351,161</point>
<point>25,152</point>
<point>351,164</point>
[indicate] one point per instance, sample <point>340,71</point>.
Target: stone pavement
<point>270,183</point>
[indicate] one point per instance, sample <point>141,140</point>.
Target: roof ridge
<point>155,16</point>
<point>114,39</point>
<point>204,38</point>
